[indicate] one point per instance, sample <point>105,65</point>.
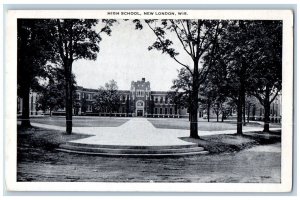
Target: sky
<point>124,57</point>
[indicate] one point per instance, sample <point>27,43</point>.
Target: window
<point>155,110</point>
<point>122,98</point>
<point>140,93</point>
<point>140,103</point>
<point>156,100</point>
<point>89,108</point>
<point>78,96</point>
<point>160,111</point>
<point>166,100</point>
<point>166,110</point>
<point>171,110</point>
<point>88,96</point>
<point>161,100</point>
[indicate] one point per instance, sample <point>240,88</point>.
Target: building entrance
<point>139,113</point>
<point>140,106</point>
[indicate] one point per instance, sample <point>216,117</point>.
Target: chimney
<point>143,79</point>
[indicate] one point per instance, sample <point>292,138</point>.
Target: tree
<point>269,66</point>
<point>241,52</point>
<point>52,95</point>
<point>252,56</point>
<point>77,39</point>
<point>34,50</point>
<point>197,38</point>
<point>215,91</point>
<point>181,90</point>
<point>227,107</point>
<point>108,97</point>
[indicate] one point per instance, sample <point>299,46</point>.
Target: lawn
<point>202,125</point>
<point>170,123</point>
<point>81,121</point>
<point>233,159</point>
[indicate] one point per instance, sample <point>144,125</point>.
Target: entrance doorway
<point>139,113</point>
<point>140,107</point>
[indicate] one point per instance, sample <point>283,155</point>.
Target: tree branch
<point>191,48</point>
<point>60,43</point>
<point>190,34</point>
<point>181,41</point>
<point>274,96</point>
<point>187,67</point>
<point>161,42</point>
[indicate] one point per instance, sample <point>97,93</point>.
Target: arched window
<point>140,103</point>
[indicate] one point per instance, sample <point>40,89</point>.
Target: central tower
<point>140,94</point>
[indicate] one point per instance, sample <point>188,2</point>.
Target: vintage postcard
<point>149,100</point>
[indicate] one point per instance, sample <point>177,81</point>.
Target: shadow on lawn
<point>227,143</point>
<point>224,143</point>
<point>43,138</point>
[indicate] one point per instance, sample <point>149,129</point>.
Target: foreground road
<point>258,164</point>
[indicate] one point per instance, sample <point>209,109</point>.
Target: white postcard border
<point>10,111</point>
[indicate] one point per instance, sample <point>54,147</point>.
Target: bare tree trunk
<point>254,112</point>
<point>248,117</point>
<point>194,103</point>
<point>267,111</point>
<point>223,116</point>
<point>25,108</point>
<point>239,117</point>
<point>208,110</point>
<point>244,110</point>
<point>68,100</point>
<point>240,110</point>
<point>194,117</point>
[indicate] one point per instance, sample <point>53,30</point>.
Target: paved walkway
<point>136,132</point>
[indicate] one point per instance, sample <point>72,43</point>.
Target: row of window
<point>164,111</point>
<point>123,98</point>
<point>161,100</point>
<point>87,96</point>
<point>156,110</point>
<point>141,93</point>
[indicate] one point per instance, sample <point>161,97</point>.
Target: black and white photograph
<point>152,96</point>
